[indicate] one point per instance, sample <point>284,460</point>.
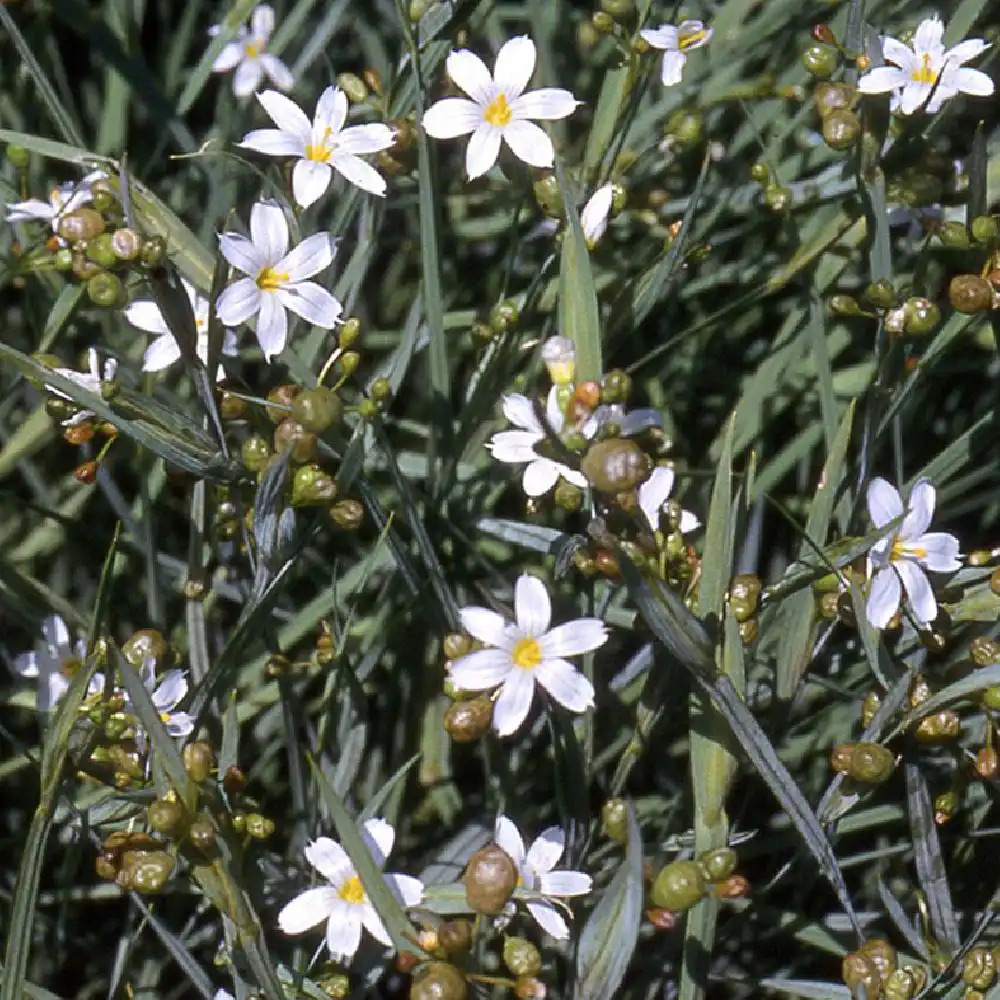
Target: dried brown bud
<point>490,878</point>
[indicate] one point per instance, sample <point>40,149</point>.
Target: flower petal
<point>279,73</point>
<point>237,303</point>
<point>594,216</point>
<point>540,476</point>
<point>483,149</point>
<point>918,590</point>
<point>146,316</point>
<point>520,411</point>
<point>273,142</point>
<point>470,73</point>
<point>379,836</point>
<point>672,71</point>
<point>241,253</point>
<point>654,492</point>
<point>881,80</point>
<point>912,96</point>
<point>262,21</point>
<point>366,139</point>
<point>481,670</point>
<point>179,724</point>
<point>883,597</point>
<point>160,354</point>
<point>247,77</point>
<point>919,510</point>
<point>514,703</point>
<point>312,302</point>
<point>272,326</point>
<point>312,255</point>
<point>343,930</point>
<point>968,81</point>
<point>485,625</point>
<point>230,56</point>
<point>514,66</point>
<point>532,607</point>
<point>307,910</point>
<point>566,883</point>
<point>546,104</point>
<point>573,638</point>
<point>940,551</point>
<point>689,522</point>
<point>546,850</point>
<point>269,233</point>
<point>528,142</point>
<point>310,179</point>
<point>900,54</point>
<point>965,51</point>
<point>549,919</point>
<point>508,838</point>
<point>452,117</point>
<point>331,112</point>
<point>374,926</point>
<point>170,690</point>
<point>329,859</point>
<point>884,502</point>
<point>929,35</point>
<point>664,37</point>
<point>565,684</point>
<point>359,173</point>
<point>407,888</point>
<point>513,447</point>
<point>286,114</point>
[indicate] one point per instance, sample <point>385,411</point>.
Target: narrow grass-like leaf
<point>811,989</point>
<point>976,167</point>
<point>717,561</point>
<point>609,937</point>
<point>49,148</point>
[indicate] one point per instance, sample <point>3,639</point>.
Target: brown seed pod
<point>466,721</point>
<point>941,727</point>
<point>490,878</point>
<point>882,954</point>
<point>860,974</point>
<point>968,293</point>
<point>615,465</point>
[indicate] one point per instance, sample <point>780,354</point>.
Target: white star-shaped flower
<point>525,652</point>
<point>53,662</point>
<point>248,54</point>
<point>653,494</point>
<point>898,561</point>
<point>63,198</point>
<point>276,279</point>
<point>518,447</point>
<point>344,904</point>
<point>594,215</point>
<point>676,43</point>
<point>321,146</point>
<point>927,70</point>
<point>89,380</point>
<point>535,870</point>
<point>499,108</point>
<point>166,694</point>
<point>164,351</point>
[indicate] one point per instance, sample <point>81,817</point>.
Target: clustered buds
<point>681,884</point>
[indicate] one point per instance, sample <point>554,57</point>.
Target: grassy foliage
<point>756,289</point>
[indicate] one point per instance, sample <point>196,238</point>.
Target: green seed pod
<point>504,316</point>
<point>941,727</point>
<point>317,409</point>
<point>614,820</point>
<point>348,333</point>
<point>945,806</point>
<point>603,22</point>
<point>744,595</point>
<point>256,452</point>
<point>149,874</point>
<point>100,251</point>
<point>281,398</point>
<point>687,128</point>
<point>879,951</point>
<point>900,986</point>
<point>105,290</point>
<point>761,173</point>
<point>955,235</point>
<point>116,726</point>
<point>490,878</point>
<point>291,436</point>
<point>879,294</point>
<point>455,936</point>
<point>778,198</point>
<point>348,514</point>
<point>922,316</point>
<point>438,981</point>
<point>154,251</point>
<point>820,61</point>
<point>871,763</point>
<point>199,760</point>
<point>417,9</point>
<point>381,392</point>
<point>145,644</point>
<point>829,97</point>
<point>62,259</point>
<point>841,129</point>
<point>466,721</point>
<point>348,363</point>
<point>126,244</point>
<point>18,157</point>
<point>80,225</point>
<point>167,817</point>
<point>984,229</point>
<point>869,707</point>
<point>81,268</point>
<point>719,864</point>
<point>678,886</point>
<point>548,196</point>
<point>845,305</point>
<point>984,651</point>
<point>521,957</point>
<point>102,197</point>
<point>860,975</point>
<point>979,968</point>
<point>311,486</point>
<point>201,833</point>
<point>616,387</point>
<point>259,827</point>
<point>618,9</point>
<point>567,496</point>
<point>968,293</point>
<point>990,698</point>
<point>615,465</point>
<point>353,86</point>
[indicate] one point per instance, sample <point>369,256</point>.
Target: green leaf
<point>720,530</point>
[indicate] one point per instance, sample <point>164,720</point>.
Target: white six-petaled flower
<point>344,904</point>
<point>927,72</point>
<point>653,494</point>
<point>525,652</point>
<point>248,54</point>
<point>322,146</point>
<point>536,875</point>
<point>166,694</point>
<point>276,279</point>
<point>676,43</point>
<point>63,198</point>
<point>164,351</point>
<point>53,662</point>
<point>499,108</point>
<point>89,380</point>
<point>898,561</point>
<point>518,447</point>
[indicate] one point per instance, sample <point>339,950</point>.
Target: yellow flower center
<point>498,113</point>
<point>924,73</point>
<point>69,667</point>
<point>527,654</point>
<point>270,280</point>
<point>320,152</point>
<point>252,50</point>
<point>691,39</point>
<point>901,550</point>
<point>352,891</point>
<point>164,717</point>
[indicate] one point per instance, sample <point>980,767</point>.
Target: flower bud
<point>860,975</point>
<point>744,595</point>
<point>438,981</point>
<point>945,806</point>
<point>145,872</point>
<point>199,760</point>
<point>979,968</point>
<point>455,936</point>
<point>778,198</point>
<point>968,293</point>
<point>504,316</point>
<point>105,290</point>
<point>844,305</point>
<point>879,294</point>
<point>567,496</point>
<point>201,833</point>
<point>86,472</point>
<point>548,196</point>
<point>311,486</point>
<point>347,514</point>
<point>603,22</point>
<point>281,397</point>
<point>820,61</point>
<point>719,864</point>
<point>18,157</point>
<point>870,763</point>
<point>145,644</point>
<point>987,764</point>
<point>900,986</point>
<point>615,465</point>
<point>678,886</point>
<point>167,817</point>
<point>661,919</point>
<point>490,878</point>
<point>941,727</point>
<point>62,260</point>
<point>954,235</point>
<point>614,820</point>
<point>348,363</point>
<point>80,225</point>
<point>616,387</point>
<point>256,452</point>
<point>291,436</point>
<point>154,250</point>
<point>466,721</point>
<point>761,173</point>
<point>869,707</point>
<point>259,827</point>
<point>841,129</point>
<point>353,86</point>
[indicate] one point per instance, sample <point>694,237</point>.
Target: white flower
<point>499,108</point>
<point>344,904</point>
<point>653,495</point>
<point>927,70</point>
<point>277,279</point>
<point>676,43</point>
<point>517,447</point>
<point>165,350</point>
<point>62,199</point>
<point>248,54</point>
<point>594,216</point>
<point>534,868</point>
<point>323,146</point>
<point>89,380</point>
<point>525,652</point>
<point>899,560</point>
<point>53,662</point>
<point>166,696</point>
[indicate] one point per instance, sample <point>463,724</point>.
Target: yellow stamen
<point>252,50</point>
<point>527,654</point>
<point>352,891</point>
<point>901,550</point>
<point>692,39</point>
<point>320,152</point>
<point>270,280</point>
<point>498,113</point>
<point>164,717</point>
<point>924,73</point>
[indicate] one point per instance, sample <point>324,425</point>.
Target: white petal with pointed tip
<point>483,669</point>
<point>307,910</point>
<point>532,608</point>
<point>514,703</point>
